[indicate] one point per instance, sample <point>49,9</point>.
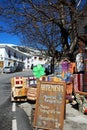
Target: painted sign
<point>50,105</point>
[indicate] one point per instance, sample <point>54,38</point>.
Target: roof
<point>11,47</point>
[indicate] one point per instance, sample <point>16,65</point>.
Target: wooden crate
<point>32,93</point>
<point>19,92</point>
<point>19,87</point>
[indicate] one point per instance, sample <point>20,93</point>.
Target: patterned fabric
<point>85,62</point>
<point>82,103</point>
<point>79,62</point>
<point>65,66</point>
<point>78,82</point>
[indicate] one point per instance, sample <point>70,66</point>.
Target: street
<point>12,117</point>
<point>18,115</point>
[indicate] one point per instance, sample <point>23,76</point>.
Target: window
<point>35,57</point>
<point>22,58</point>
<point>40,58</point>
<point>9,54</point>
<point>15,54</point>
<point>28,66</point>
<point>28,58</point>
<point>8,63</point>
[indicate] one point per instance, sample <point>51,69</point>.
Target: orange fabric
<point>72,67</point>
<point>69,88</point>
<point>63,74</point>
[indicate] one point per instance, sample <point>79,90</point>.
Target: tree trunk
<point>52,65</point>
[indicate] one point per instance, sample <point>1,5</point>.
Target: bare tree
<point>45,24</point>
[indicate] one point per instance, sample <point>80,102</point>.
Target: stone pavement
<point>74,119</point>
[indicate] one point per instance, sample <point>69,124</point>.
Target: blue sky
<point>6,38</point>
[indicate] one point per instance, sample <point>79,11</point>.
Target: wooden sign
<point>50,105</point>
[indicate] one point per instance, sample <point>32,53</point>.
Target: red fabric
<point>78,82</point>
<point>85,111</point>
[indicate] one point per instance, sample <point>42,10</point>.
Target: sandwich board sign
<point>50,105</point>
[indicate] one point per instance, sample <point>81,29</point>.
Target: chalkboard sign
<point>50,105</point>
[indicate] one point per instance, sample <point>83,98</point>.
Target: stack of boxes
<point>32,88</point>
<point>19,87</point>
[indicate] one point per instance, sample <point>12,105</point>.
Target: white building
<point>10,55</point>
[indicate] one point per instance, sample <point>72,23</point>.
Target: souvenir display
<point>79,62</point>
